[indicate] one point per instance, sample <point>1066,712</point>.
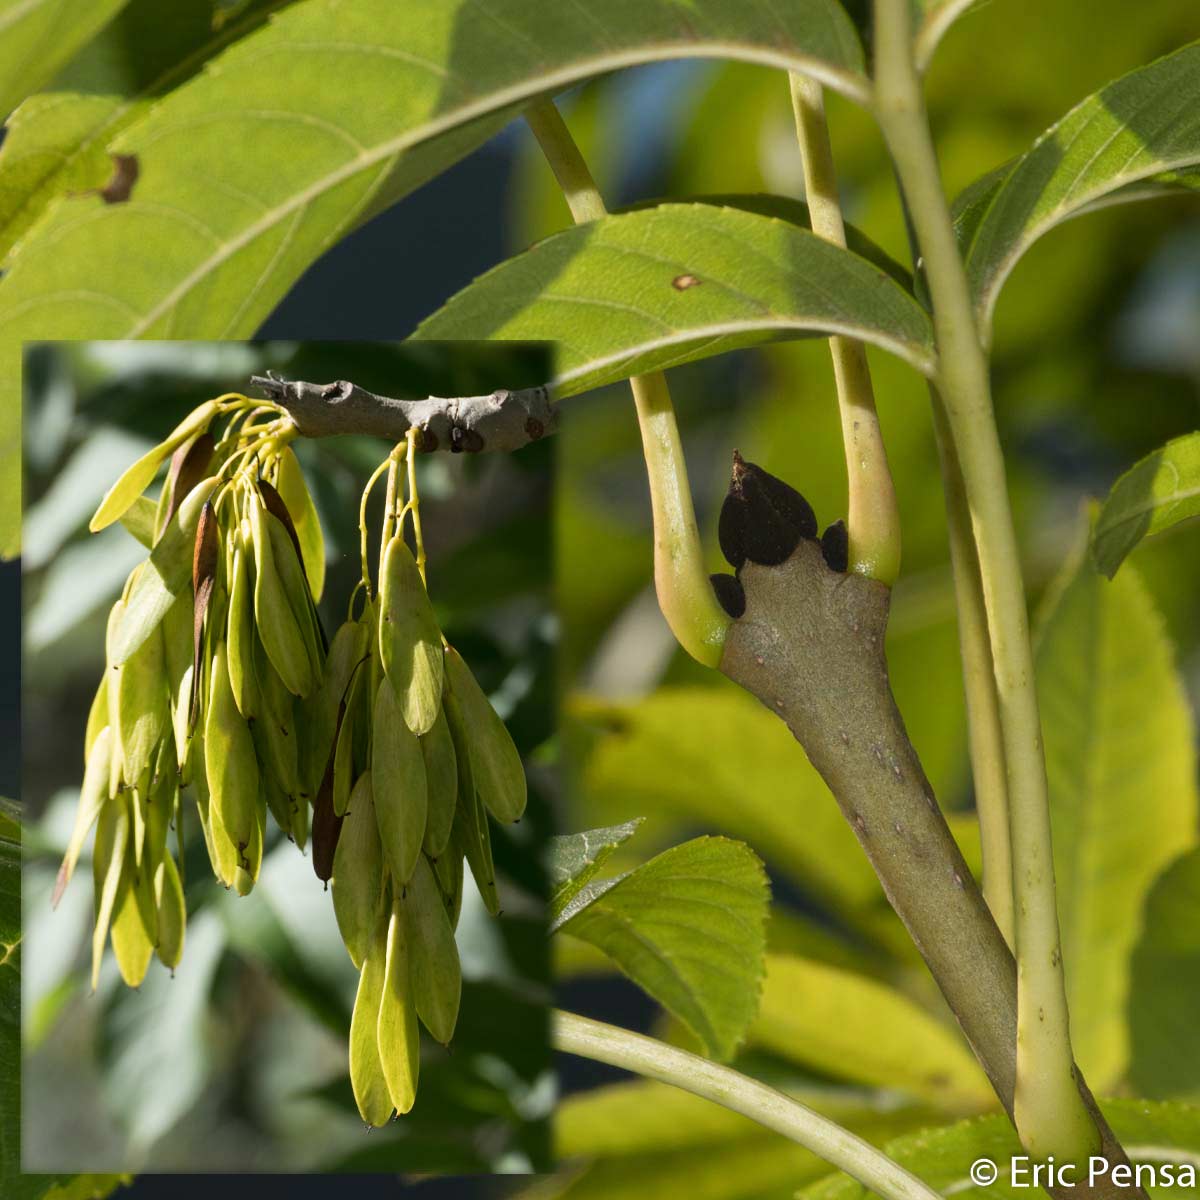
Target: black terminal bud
<point>763,518</point>
<point>835,545</point>
<point>729,594</point>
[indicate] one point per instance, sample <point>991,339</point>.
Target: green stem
<point>984,733</point>
<point>684,593</point>
<point>741,1094</point>
<point>1049,1111</point>
<point>872,516</point>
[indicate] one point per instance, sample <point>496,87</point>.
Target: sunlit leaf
<point>38,36</point>
<point>759,1166</point>
<point>681,753</point>
<point>1150,1132</point>
<point>250,170</point>
<point>1109,148</point>
<point>57,142</point>
<point>637,1117</point>
<point>1122,774</point>
<point>695,1148</point>
<point>1159,491</point>
<point>863,1031</point>
<point>661,286</point>
<point>688,928</point>
<point>573,859</point>
<point>1165,985</point>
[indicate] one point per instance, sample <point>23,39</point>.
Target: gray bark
<point>502,420</point>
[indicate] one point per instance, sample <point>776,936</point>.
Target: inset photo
<point>287,700</point>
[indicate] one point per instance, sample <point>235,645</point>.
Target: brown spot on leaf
<point>681,283</point>
<point>120,183</point>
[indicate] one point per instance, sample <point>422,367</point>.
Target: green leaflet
<point>164,577</point>
<point>397,785</point>
<point>1164,983</point>
<point>620,311</point>
<point>1156,493</point>
<point>1109,148</point>
<point>1121,769</point>
<point>410,642</point>
<point>496,768</point>
<point>435,975</point>
<point>688,927</point>
<point>574,859</point>
<point>399,1041</point>
<point>860,1030</point>
<point>358,873</point>
<point>140,475</point>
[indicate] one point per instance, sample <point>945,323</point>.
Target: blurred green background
<point>1096,363</point>
<point>239,1061</point>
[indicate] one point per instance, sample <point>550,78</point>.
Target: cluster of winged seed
<point>419,760</point>
<point>219,680</point>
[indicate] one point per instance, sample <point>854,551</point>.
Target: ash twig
<point>502,420</point>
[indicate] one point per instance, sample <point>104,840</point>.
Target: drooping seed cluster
<point>418,761</point>
<point>220,680</point>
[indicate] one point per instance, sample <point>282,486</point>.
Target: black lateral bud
<point>763,518</point>
<point>835,545</point>
<point>730,594</point>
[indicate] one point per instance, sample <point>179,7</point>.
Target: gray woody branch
<point>502,420</point>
